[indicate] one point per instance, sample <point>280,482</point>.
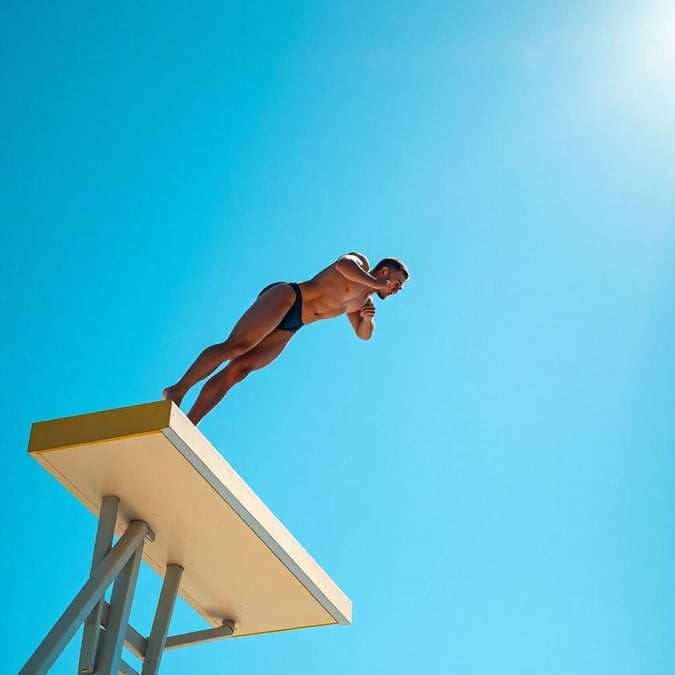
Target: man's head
<point>395,271</point>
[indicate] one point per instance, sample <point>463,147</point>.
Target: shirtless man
<point>261,334</point>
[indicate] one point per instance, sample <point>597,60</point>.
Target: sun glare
<point>650,55</point>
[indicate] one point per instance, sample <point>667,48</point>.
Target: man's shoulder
<point>360,258</point>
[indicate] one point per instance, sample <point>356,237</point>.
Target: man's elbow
<point>350,262</point>
<point>344,264</point>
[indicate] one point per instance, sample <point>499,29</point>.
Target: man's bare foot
<point>172,394</point>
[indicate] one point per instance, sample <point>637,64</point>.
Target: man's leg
<point>258,357</point>
<point>257,322</point>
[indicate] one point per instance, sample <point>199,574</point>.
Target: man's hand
<point>362,320</point>
<point>368,309</point>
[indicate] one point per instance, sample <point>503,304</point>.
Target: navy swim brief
<point>293,318</point>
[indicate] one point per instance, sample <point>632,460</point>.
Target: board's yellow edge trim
<point>107,425</point>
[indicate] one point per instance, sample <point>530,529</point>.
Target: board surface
<point>240,563</point>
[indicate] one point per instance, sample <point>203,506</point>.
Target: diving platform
<point>154,480</point>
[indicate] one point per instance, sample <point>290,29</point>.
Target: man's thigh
<point>266,351</point>
<point>264,315</point>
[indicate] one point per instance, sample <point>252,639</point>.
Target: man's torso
<point>330,294</point>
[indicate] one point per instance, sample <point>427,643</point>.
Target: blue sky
<point>490,479</point>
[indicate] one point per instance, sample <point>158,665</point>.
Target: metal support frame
<point>92,591</point>
<point>106,626</point>
<point>125,669</point>
<point>118,617</point>
<point>103,544</point>
<point>160,625</point>
<point>200,636</point>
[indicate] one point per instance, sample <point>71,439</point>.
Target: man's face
<point>396,278</point>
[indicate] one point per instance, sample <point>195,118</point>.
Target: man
<point>280,310</point>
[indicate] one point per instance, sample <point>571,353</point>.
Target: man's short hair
<point>393,263</point>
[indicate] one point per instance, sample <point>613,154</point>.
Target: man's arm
<point>354,266</point>
<point>363,320</point>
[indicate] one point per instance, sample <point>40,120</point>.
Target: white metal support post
<point>160,625</point>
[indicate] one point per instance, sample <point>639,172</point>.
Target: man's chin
<point>381,295</point>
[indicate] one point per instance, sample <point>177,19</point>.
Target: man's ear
<point>383,271</point>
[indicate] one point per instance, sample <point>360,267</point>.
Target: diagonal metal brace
<point>133,640</point>
<point>125,669</point>
<point>200,636</point>
<point>92,591</point>
<point>138,645</point>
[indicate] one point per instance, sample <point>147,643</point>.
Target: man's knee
<point>234,348</point>
<point>238,371</point>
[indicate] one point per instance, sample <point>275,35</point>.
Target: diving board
<point>240,567</point>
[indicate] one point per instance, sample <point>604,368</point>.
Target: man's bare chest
<point>336,299</point>
<point>354,303</point>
